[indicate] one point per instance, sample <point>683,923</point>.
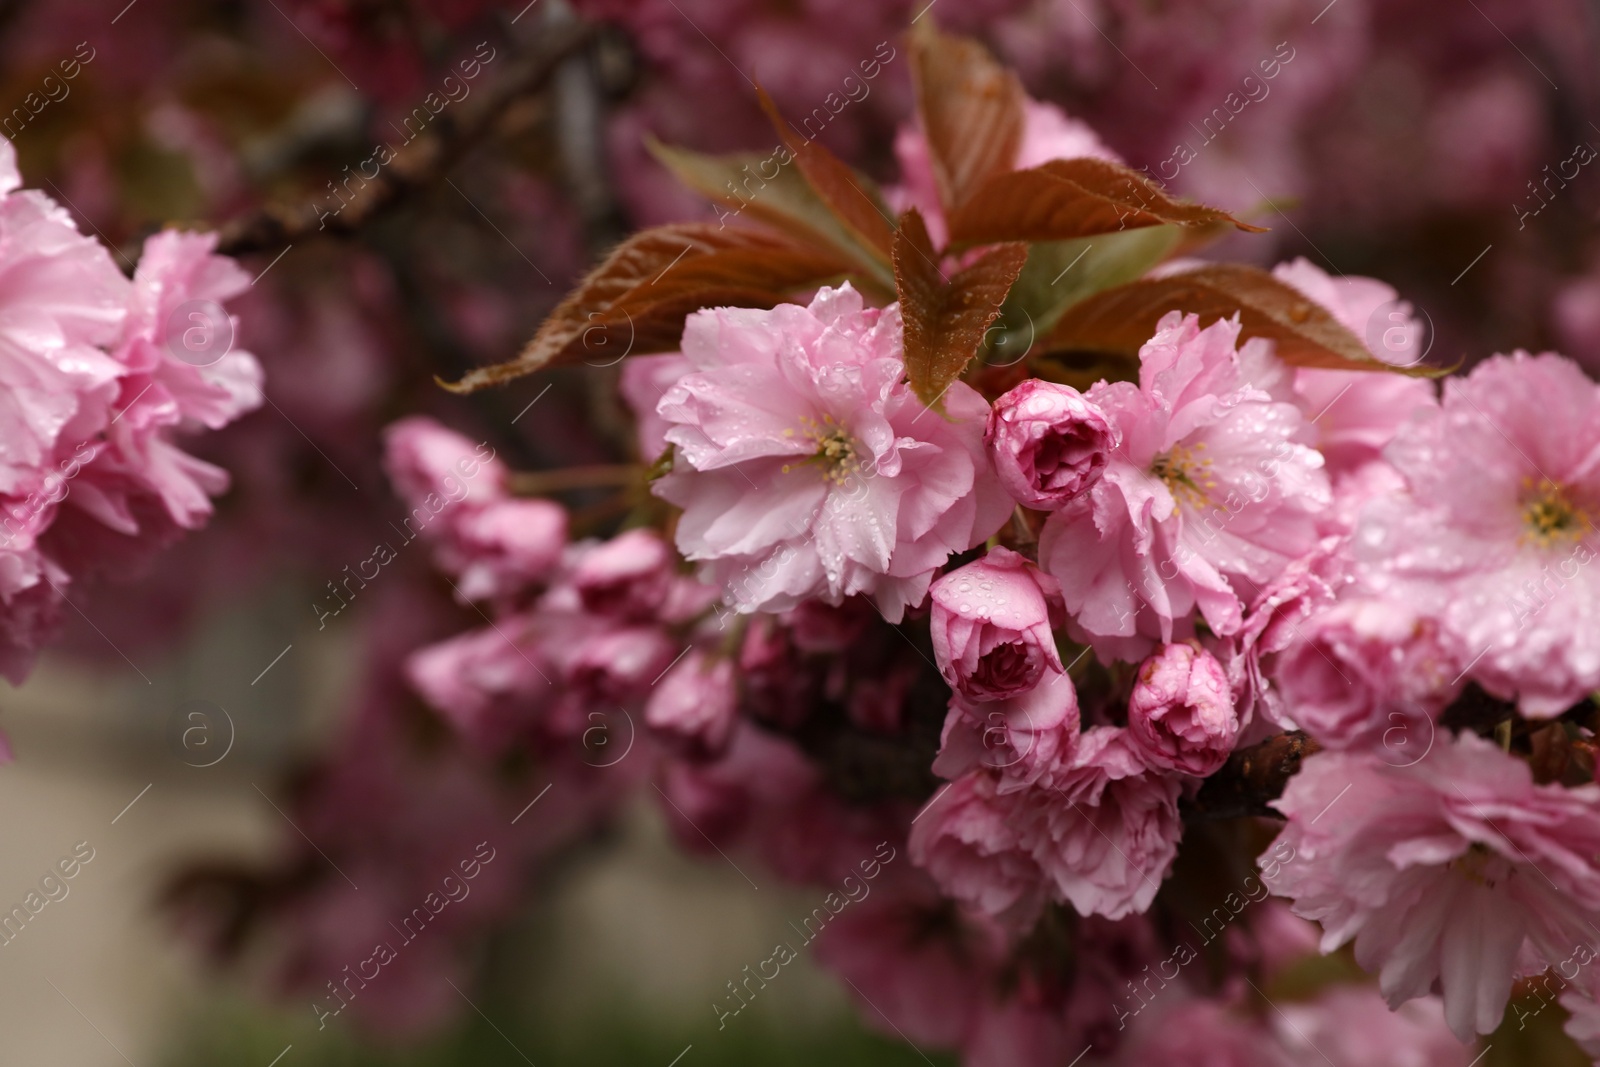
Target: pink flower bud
<point>1181,715</point>
<point>1048,443</point>
<point>693,707</point>
<point>627,577</point>
<point>500,549</point>
<point>1029,739</point>
<point>425,461</point>
<point>992,623</point>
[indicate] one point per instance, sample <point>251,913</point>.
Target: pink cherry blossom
<point>968,839</point>
<point>1354,414</point>
<point>1444,872</point>
<point>1351,1024</point>
<point>1048,443</point>
<point>504,547</point>
<point>1496,535</point>
<point>992,626</point>
<point>1369,672</point>
<point>644,380</point>
<point>1209,497</point>
<point>495,547</point>
<point>1582,1002</point>
<point>92,477</point>
<point>1107,833</point>
<point>806,467</point>
<point>1030,739</point>
<point>628,577</point>
<point>425,459</point>
<point>692,706</point>
<point>1181,716</point>
<point>1100,835</point>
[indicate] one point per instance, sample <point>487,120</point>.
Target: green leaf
<point>1060,273</point>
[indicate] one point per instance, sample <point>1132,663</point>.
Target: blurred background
<point>413,184</point>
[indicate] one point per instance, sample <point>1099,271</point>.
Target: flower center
<point>1187,476</point>
<point>1478,864</point>
<point>836,449</point>
<point>1551,515</point>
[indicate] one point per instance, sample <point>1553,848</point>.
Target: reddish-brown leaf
<point>1116,322</point>
<point>971,109</point>
<point>637,299</point>
<point>1069,198</point>
<point>852,197</point>
<point>945,320</point>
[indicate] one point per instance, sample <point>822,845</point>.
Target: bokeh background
<point>245,771</point>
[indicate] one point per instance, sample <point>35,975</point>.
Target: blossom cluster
<point>1035,631</point>
<point>103,376</point>
<point>1107,658</point>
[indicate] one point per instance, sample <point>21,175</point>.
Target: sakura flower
<point>968,840</point>
<point>1305,587</point>
<point>1107,833</point>
<point>991,626</point>
<point>94,400</point>
<point>487,684</point>
<point>1181,716</point>
<point>1582,1002</point>
<point>1448,873</point>
<point>504,547</point>
<point>692,705</point>
<point>1354,414</point>
<point>1048,443</point>
<point>1496,533</point>
<point>430,464</point>
<point>1209,497</point>
<point>1099,835</point>
<point>627,577</point>
<point>1029,739</point>
<point>806,467</point>
<point>1369,672</point>
<point>644,380</point>
<point>1351,1024</point>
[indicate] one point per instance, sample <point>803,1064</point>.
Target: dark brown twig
<point>417,165</point>
<point>1252,778</point>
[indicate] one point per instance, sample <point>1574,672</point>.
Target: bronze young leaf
<point>769,188</point>
<point>637,299</point>
<point>851,196</point>
<point>1117,322</point>
<point>1069,198</point>
<point>971,111</point>
<point>945,319</point>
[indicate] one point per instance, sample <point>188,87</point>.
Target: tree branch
<point>1252,777</point>
<point>419,164</point>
